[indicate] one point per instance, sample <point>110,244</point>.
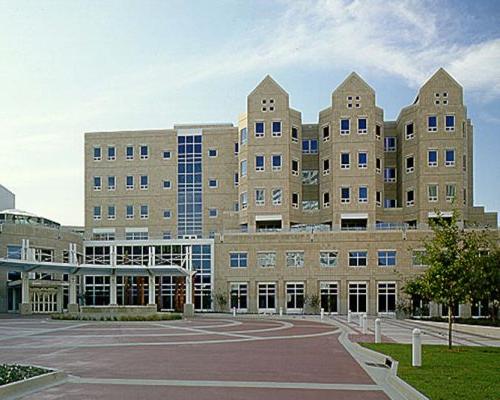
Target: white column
<point>152,290</point>
<point>112,290</point>
<point>72,289</point>
<point>364,324</point>
<point>378,331</point>
<point>189,277</point>
<point>25,288</point>
<point>349,317</point>
<point>416,346</point>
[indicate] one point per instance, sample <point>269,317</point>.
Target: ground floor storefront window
<point>329,294</point>
<point>420,307</point>
<point>239,296</point>
<point>267,296</point>
<point>480,308</point>
<point>294,296</point>
<point>386,297</point>
<point>358,297</point>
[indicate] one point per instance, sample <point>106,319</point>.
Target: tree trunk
<point>450,324</point>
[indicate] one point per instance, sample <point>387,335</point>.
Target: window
<point>212,153</point>
<point>310,176</point>
<point>344,161</point>
<point>111,212</point>
<point>345,195</point>
<point>167,235</point>
<point>451,192</point>
<point>390,144</point>
<point>144,211</point>
<point>266,259</point>
<point>326,199</point>
<point>111,153</point>
<point>166,154</point>
<point>236,148</point>
<point>97,183</point>
<point>363,194</point>
<point>267,296</point>
<point>167,214</point>
<point>449,158</point>
<point>129,182</point>
<point>362,126</point>
<point>432,123</point>
<point>295,134</point>
<point>410,198</point>
<point>295,200</point>
<point>212,183</point>
<point>432,158</point>
<point>329,294</point>
<point>362,159</point>
<point>449,123</point>
<point>386,297</point>
<point>111,183</point>
<point>259,163</point>
<point>236,179</point>
<point>97,213</point>
<point>432,193</point>
<point>276,129</point>
<point>236,206</point>
<point>260,197</point>
<point>326,133</point>
<point>212,212</point>
<point>358,258</point>
<point>244,200</point>
<point>129,212</point>
<point>294,296</point>
<point>295,259</point>
<point>129,152</point>
<point>243,136</point>
<point>167,184</point>
<point>276,162</point>
<point>386,258</point>
<point>417,258</point>
<point>144,152</point>
<point>326,166</point>
<point>378,198</point>
<point>410,164</point>
<point>97,154</point>
<point>277,196</point>
<point>295,167</point>
<point>308,205</point>
<point>390,203</point>
<point>358,298</point>
<point>144,182</point>
<point>378,165</point>
<point>243,168</point>
<point>328,259</point>
<point>378,131</point>
<point>238,260</point>
<point>390,174</point>
<point>409,131</point>
<point>345,126</point>
<point>309,146</point>
<point>259,129</point>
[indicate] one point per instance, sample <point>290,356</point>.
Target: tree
<point>485,281</point>
<point>451,255</point>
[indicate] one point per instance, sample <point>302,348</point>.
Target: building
<point>7,199</point>
<point>281,212</point>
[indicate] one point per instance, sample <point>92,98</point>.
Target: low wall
<point>118,310</point>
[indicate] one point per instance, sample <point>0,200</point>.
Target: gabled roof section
<point>352,79</point>
<point>441,73</point>
<point>269,82</point>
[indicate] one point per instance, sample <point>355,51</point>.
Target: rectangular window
<point>238,260</point>
<point>432,158</point>
<point>344,161</point>
<point>129,182</point>
<point>362,126</point>
<point>295,259</point>
<point>167,184</point>
<point>295,167</point>
<point>266,259</point>
<point>213,183</point>
<point>358,258</point>
<point>449,157</point>
<point>326,199</point>
<point>167,214</point>
<point>410,164</point>
<point>451,192</point>
<point>144,182</point>
<point>345,126</point>
<point>326,166</point>
<point>144,152</point>
<point>129,212</point>
<point>378,131</point>
<point>345,195</point>
<point>295,200</point>
<point>277,196</point>
<point>243,168</point>
<point>386,258</point>
<point>295,134</point>
<point>390,174</point>
<point>390,144</point>
<point>236,179</point>
<point>309,146</point>
<point>212,212</point>
<point>260,197</point>
<point>111,153</point>
<point>310,176</point>
<point>259,129</point>
<point>390,203</point>
<point>243,136</point>
<point>409,131</point>
<point>328,259</point>
<point>329,294</point>
<point>267,296</point>
<point>167,235</point>
<point>129,153</point>
<point>97,213</point>
<point>432,123</point>
<point>378,198</point>
<point>362,159</point>
<point>276,129</point>
<point>410,198</point>
<point>97,154</point>
<point>449,123</point>
<point>166,154</point>
<point>432,193</point>
<point>276,161</point>
<point>97,183</point>
<point>236,148</point>
<point>111,212</point>
<point>294,296</point>
<point>244,200</point>
<point>111,183</point>
<point>308,205</point>
<point>212,153</point>
<point>363,194</point>
<point>326,133</point>
<point>259,163</point>
<point>144,211</point>
<point>386,297</point>
<point>378,165</point>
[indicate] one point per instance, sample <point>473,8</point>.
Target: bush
<point>13,373</point>
<point>152,317</point>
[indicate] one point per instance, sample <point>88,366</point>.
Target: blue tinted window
<point>111,152</point>
<point>144,180</point>
<point>363,192</point>
<point>259,161</point>
<point>345,158</point>
<point>305,146</point>
<point>130,210</point>
<point>166,154</point>
<point>130,152</point>
<point>344,124</point>
<point>14,252</point>
<point>276,160</point>
<point>433,156</point>
<point>276,126</point>
<point>238,260</point>
<point>259,127</point>
<point>166,184</point>
<point>243,136</point>
<point>432,121</point>
<point>243,167</point>
<point>450,121</point>
<point>345,193</point>
<point>450,155</point>
<point>212,183</point>
<point>97,152</point>
<point>144,210</point>
<point>144,151</point>
<point>130,180</point>
<point>167,213</point>
<point>362,123</point>
<point>97,181</point>
<point>362,158</point>
<point>97,211</point>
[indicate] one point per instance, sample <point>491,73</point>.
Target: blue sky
<point>71,67</point>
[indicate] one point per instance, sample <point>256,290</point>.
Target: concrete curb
<point>16,390</point>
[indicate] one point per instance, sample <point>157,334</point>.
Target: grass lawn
<point>461,373</point>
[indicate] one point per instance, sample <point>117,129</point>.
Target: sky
<point>69,67</point>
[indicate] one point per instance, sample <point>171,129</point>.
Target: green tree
<point>485,280</point>
<point>451,255</point>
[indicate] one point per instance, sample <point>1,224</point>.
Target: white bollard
<point>364,324</point>
<point>234,311</point>
<point>416,346</point>
<point>281,311</point>
<point>349,317</point>
<point>360,320</point>
<point>322,313</point>
<point>378,332</point>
